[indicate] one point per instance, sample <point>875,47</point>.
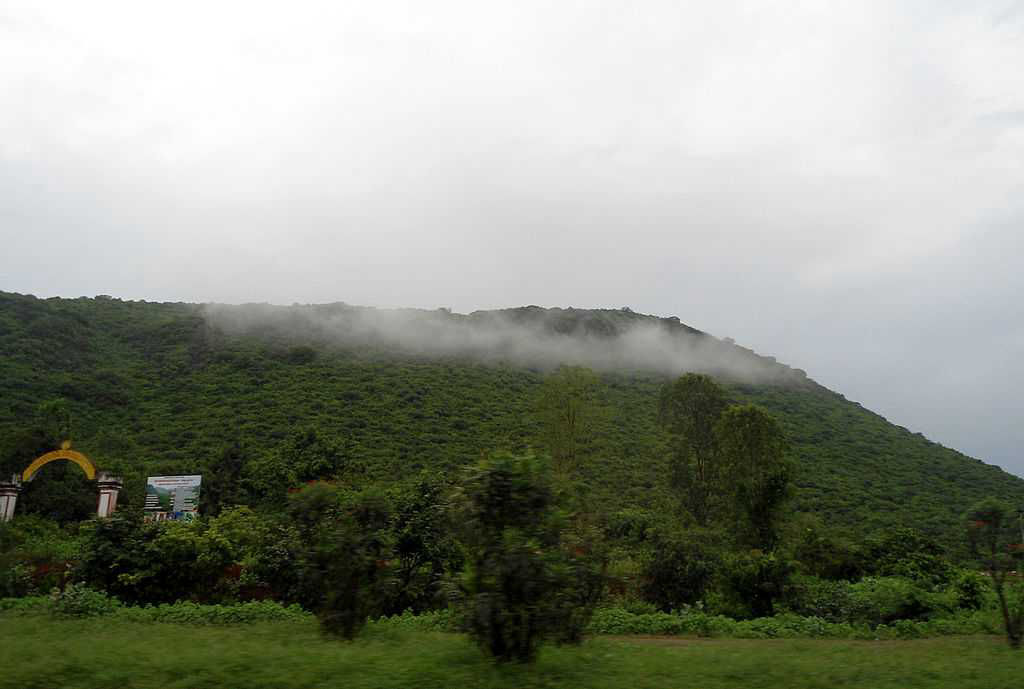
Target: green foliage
<point>997,544</point>
<point>751,581</point>
<point>753,447</point>
<point>347,564</point>
<point>569,413</point>
<point>905,552</point>
<point>695,622</point>
<point>34,554</point>
<point>822,552</point>
<point>688,409</point>
<point>223,484</point>
<point>970,589</point>
<point>516,584</point>
<point>155,562</point>
<point>425,548</point>
<point>186,612</point>
<point>875,601</point>
<point>681,566</point>
<point>78,600</point>
<point>186,390</point>
<point>885,600</point>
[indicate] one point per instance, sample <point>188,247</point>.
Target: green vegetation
<point>93,654</point>
<point>355,482</point>
<point>996,542</point>
<point>158,389</point>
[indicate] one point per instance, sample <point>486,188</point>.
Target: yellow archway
<point>65,452</point>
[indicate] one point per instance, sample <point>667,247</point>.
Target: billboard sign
<point>172,497</point>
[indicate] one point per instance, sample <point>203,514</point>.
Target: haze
<point>838,184</point>
<point>528,337</point>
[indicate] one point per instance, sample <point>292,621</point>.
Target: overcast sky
<point>840,185</point>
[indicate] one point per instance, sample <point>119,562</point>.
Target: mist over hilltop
<point>531,336</point>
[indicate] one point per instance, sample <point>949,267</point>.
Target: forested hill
<point>168,388</point>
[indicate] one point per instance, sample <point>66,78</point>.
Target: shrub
<point>752,581</point>
<point>155,562</point>
<point>810,596</point>
<point>680,567</point>
<point>970,589</point>
<point>883,600</point>
<point>907,553</point>
<point>78,600</point>
<point>194,613</point>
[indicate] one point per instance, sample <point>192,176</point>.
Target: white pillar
<point>9,497</point>
<point>108,486</point>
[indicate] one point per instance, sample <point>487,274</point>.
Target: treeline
<point>514,543</point>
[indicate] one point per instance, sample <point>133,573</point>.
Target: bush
<point>446,620</point>
<point>156,562</point>
<point>971,590</point>
<point>695,622</point>
<point>884,600</point>
<point>78,600</point>
<point>193,613</point>
<point>810,596</point>
<point>751,582</point>
<point>681,567</point>
<point>907,553</point>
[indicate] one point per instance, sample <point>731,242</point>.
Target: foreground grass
<point>39,653</point>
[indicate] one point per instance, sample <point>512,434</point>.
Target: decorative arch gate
<point>107,484</point>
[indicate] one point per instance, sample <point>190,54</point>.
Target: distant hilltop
<point>603,339</point>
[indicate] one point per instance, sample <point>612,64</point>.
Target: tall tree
<point>753,450</point>
<point>995,542</point>
<point>688,410</point>
<point>568,407</point>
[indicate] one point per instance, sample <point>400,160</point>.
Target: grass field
<point>40,653</point>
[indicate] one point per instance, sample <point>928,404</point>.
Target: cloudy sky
<point>839,184</point>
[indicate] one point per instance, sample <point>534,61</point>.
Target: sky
<point>839,185</point>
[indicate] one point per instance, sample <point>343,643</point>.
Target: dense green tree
<point>752,581</point>
<point>820,551</point>
<point>997,541</point>
<point>425,548</point>
<point>753,450</point>
<point>515,571</point>
<point>906,552</point>
<point>688,410</point>
<point>569,410</point>
<point>681,566</point>
<point>348,564</point>
<point>155,562</point>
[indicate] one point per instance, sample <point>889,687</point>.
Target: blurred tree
<point>568,409</point>
<point>753,449</point>
<point>995,542</point>
<point>688,409</point>
<point>517,579</point>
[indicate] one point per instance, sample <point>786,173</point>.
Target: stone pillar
<point>108,486</point>
<point>9,497</point>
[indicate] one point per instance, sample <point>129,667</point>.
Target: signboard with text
<point>172,497</point>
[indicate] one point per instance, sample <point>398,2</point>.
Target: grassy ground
<point>39,653</point>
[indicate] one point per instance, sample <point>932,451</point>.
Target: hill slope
<point>164,388</point>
